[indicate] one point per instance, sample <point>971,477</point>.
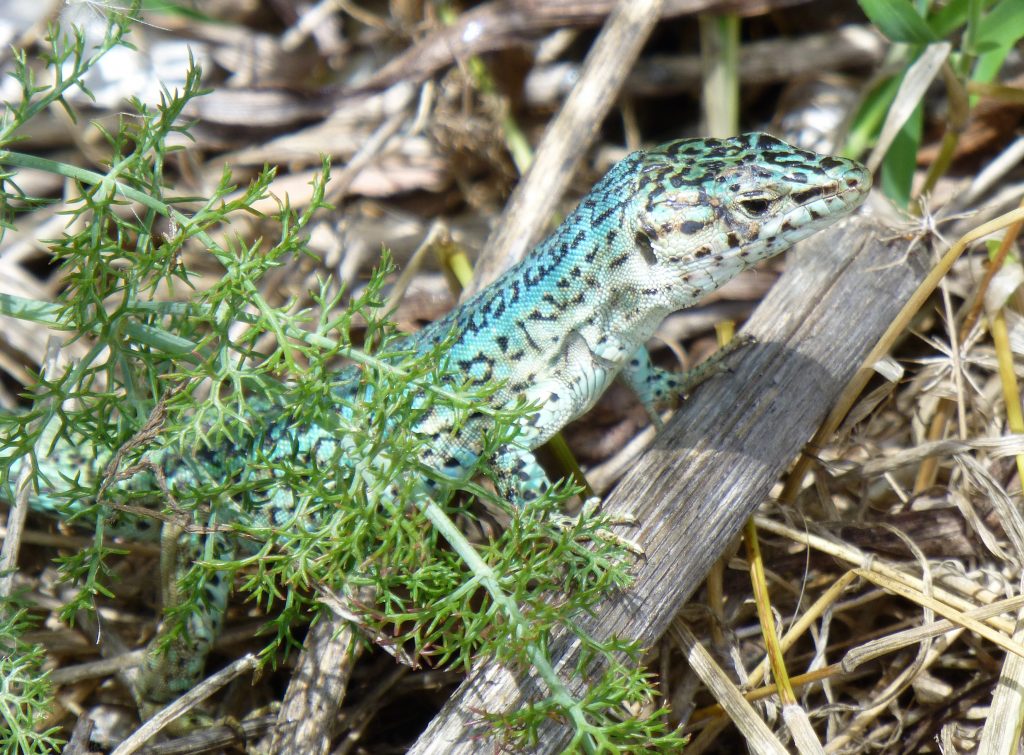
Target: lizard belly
<point>576,379</point>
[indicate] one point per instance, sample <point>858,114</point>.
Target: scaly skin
<point>661,230</point>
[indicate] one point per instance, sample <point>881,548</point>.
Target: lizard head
<point>707,209</point>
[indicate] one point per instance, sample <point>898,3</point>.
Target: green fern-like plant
<point>169,368</point>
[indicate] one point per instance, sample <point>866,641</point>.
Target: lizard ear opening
<point>646,249</point>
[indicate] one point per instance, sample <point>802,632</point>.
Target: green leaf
<point>898,21</point>
<point>1001,28</point>
<point>997,33</point>
<point>901,160</point>
<point>870,117</point>
<point>949,18</point>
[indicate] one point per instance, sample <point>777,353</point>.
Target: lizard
<point>661,230</point>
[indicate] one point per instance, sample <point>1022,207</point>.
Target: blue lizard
<point>660,231</point>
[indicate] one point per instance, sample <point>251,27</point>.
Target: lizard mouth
<point>839,196</point>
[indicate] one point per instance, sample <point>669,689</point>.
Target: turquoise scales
<point>660,231</point>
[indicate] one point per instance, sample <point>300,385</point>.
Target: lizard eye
<point>646,248</point>
<point>755,204</point>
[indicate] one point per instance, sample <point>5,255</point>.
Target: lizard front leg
<point>520,478</point>
<point>659,389</point>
